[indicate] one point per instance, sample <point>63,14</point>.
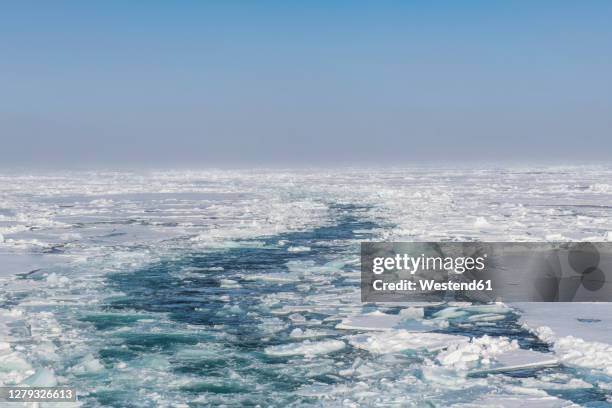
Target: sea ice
<point>298,333</point>
<point>376,320</point>
<point>478,351</point>
<point>298,249</point>
<point>579,332</point>
<point>306,348</point>
<point>394,341</point>
<point>449,313</point>
<point>87,366</point>
<point>43,377</point>
<point>415,313</point>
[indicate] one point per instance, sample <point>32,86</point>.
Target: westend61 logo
<point>486,271</point>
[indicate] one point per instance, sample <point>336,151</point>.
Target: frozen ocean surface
<point>241,288</point>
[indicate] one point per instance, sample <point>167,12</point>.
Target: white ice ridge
<point>579,332</point>
<point>306,348</point>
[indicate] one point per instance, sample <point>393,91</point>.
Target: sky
<point>223,83</point>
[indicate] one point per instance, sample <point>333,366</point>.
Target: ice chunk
<point>439,323</point>
<point>88,365</point>
<point>280,277</point>
<point>297,318</point>
<point>415,313</point>
<point>308,333</point>
<point>489,308</point>
<point>54,280</point>
<point>229,283</point>
<point>519,359</point>
<point>478,351</point>
<point>298,249</point>
<point>400,340</point>
<point>370,321</point>
<point>578,352</point>
<point>14,362</point>
<point>481,222</point>
<point>43,377</point>
<point>444,376</point>
<point>45,351</point>
<point>555,381</point>
<point>486,317</point>
<point>449,313</point>
<point>306,348</point>
<point>542,400</point>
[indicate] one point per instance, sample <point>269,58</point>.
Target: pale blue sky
<point>212,83</point>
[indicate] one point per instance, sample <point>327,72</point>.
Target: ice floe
<point>401,340</point>
<point>307,348</point>
<point>376,320</point>
<point>579,332</point>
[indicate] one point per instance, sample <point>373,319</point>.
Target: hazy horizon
<point>274,84</point>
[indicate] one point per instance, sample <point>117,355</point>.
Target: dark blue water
<point>196,301</point>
